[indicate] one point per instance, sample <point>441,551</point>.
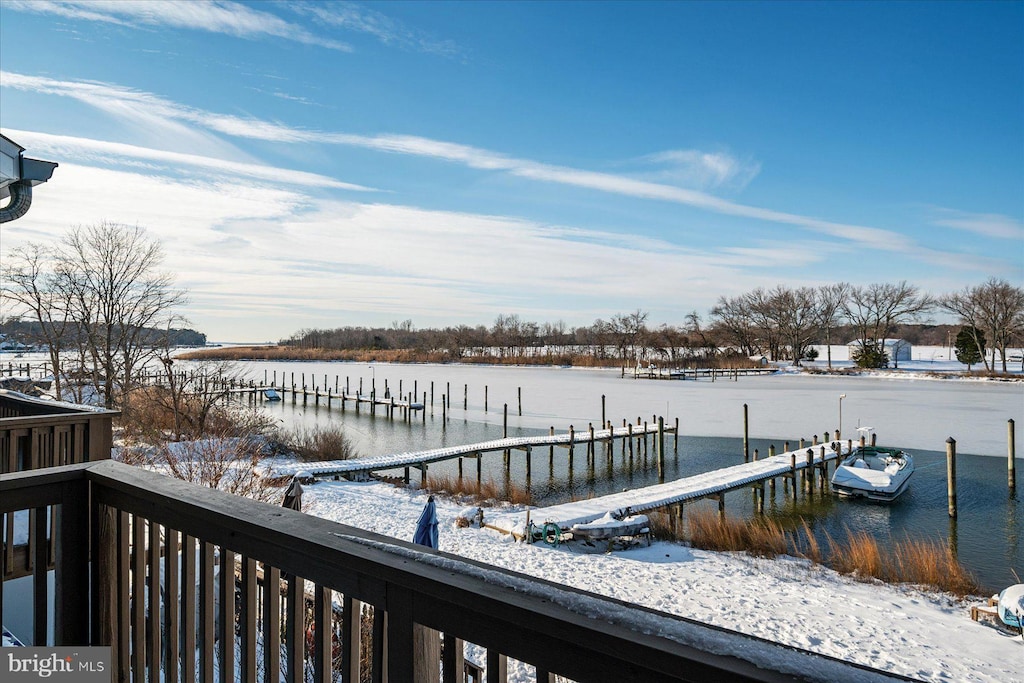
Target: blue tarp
<point>426,526</point>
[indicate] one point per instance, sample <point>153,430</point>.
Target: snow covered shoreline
<point>899,629</point>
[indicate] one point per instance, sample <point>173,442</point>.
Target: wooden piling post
<point>951,475</point>
<point>572,439</point>
<point>504,435</point>
<point>809,473</point>
<point>519,394</point>
<point>485,398</point>
<point>1011,455</point>
<point>591,446</point>
<point>874,439</point>
<point>746,435</point>
<point>444,410</point>
<point>792,471</point>
<point>661,448</point>
<point>675,445</point>
<point>465,396</point>
<point>604,419</point>
<point>551,451</point>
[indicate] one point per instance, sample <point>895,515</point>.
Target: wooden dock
<point>362,467</point>
<point>811,461</point>
<point>700,373</point>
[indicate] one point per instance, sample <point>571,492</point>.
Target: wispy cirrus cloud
<point>129,103</point>
<point>214,16</point>
<point>985,224</point>
<point>353,17</point>
<point>100,151</point>
<point>702,170</point>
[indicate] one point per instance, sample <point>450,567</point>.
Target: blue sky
<point>317,164</point>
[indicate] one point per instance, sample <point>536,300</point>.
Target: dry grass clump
<point>927,563</point>
<point>318,443</point>
<point>467,489</point>
<point>760,537</point>
<point>859,554</point>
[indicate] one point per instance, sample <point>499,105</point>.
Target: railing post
<point>399,630</point>
<point>71,602</point>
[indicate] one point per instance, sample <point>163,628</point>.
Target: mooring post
<point>676,439</point>
<point>504,435</point>
<point>519,394</point>
<point>591,446</point>
<point>746,435</point>
<point>431,395</point>
<point>792,471</point>
<point>951,475</point>
<point>572,439</point>
<point>485,398</point>
<point>465,396</point>
<point>551,451</point>
<point>785,446</point>
<point>809,473</point>
<point>604,419</point>
<point>1011,454</point>
<point>424,407</point>
<point>444,410</point>
<point>824,471</point>
<point>661,448</point>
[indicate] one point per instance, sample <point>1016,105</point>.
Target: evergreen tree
<point>870,354</point>
<point>970,345</point>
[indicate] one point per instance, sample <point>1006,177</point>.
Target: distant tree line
<point>781,323</point>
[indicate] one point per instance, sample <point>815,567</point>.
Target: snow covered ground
<point>892,628</point>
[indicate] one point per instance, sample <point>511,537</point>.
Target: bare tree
<point>875,310</point>
<point>627,330</point>
<point>733,321</point>
<point>796,314</point>
<point>994,309</point>
<point>831,299</point>
<point>37,294</point>
<point>764,317</point>
<point>117,298</point>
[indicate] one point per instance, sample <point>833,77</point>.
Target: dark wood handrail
<point>556,628</point>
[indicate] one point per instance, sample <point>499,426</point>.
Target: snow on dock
<point>355,466</point>
<point>670,493</point>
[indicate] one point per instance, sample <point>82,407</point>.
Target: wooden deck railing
<point>35,433</point>
<point>153,590</point>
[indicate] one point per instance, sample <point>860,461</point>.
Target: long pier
<point>361,467</point>
<point>812,462</point>
<point>695,373</point>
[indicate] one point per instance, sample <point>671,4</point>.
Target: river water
<point>915,414</point>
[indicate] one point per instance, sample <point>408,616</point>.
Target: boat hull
<point>878,474</point>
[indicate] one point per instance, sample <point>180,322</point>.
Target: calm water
<point>986,536</point>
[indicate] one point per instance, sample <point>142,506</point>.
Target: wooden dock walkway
<point>713,484</point>
<point>420,459</point>
<point>697,373</point>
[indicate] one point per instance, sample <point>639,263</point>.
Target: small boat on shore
<point>874,473</point>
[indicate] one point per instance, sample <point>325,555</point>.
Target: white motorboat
<point>874,473</point>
